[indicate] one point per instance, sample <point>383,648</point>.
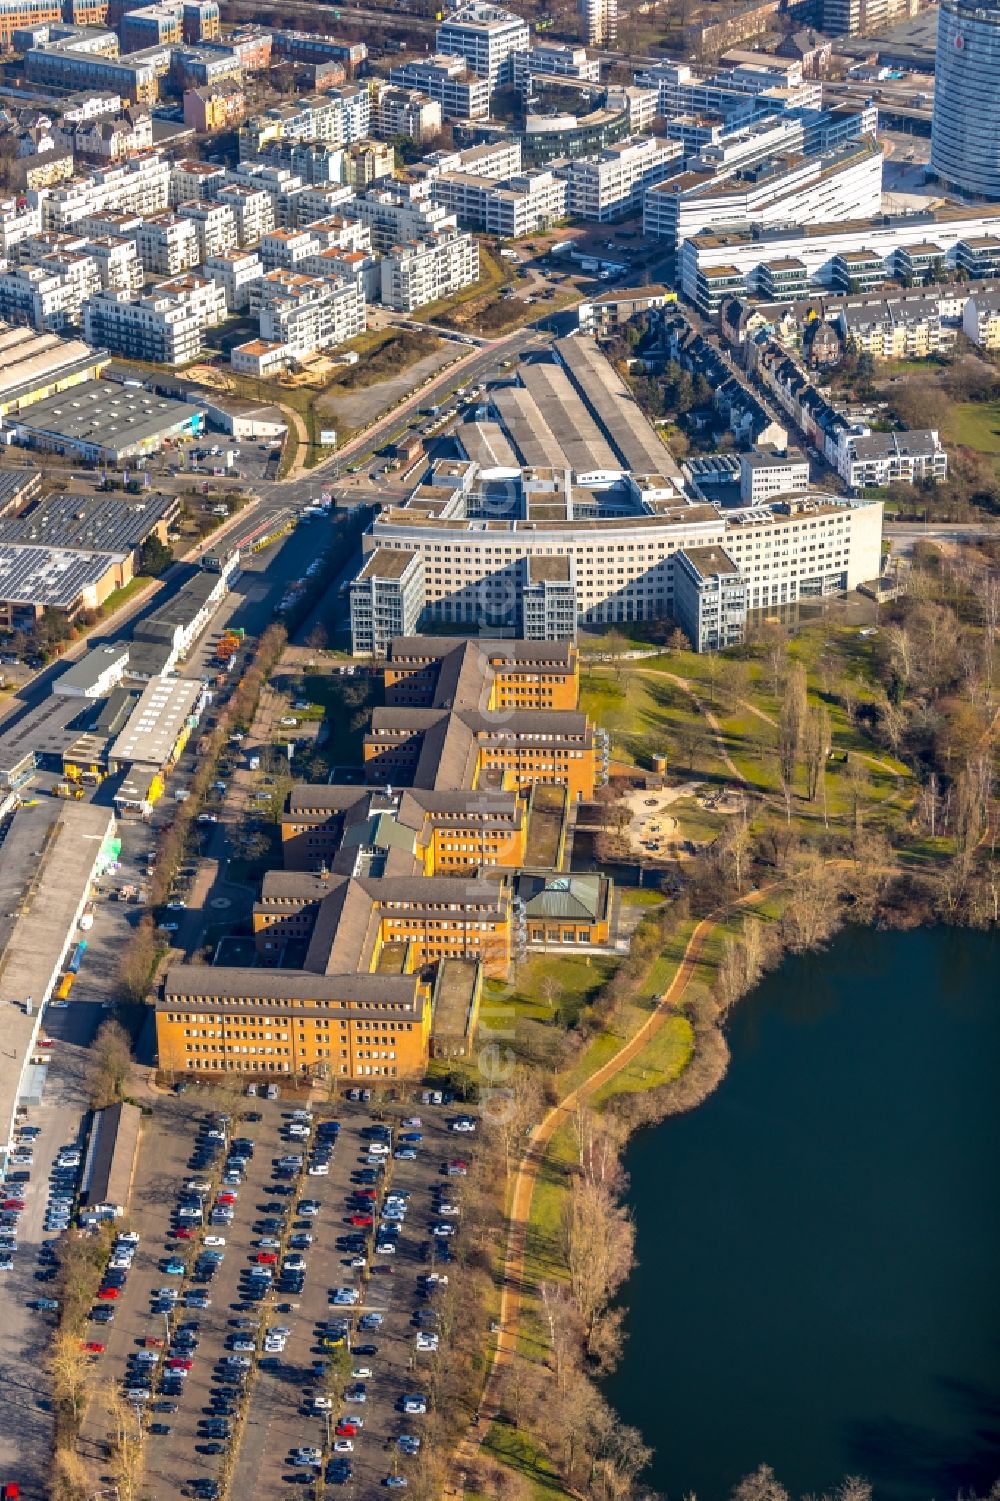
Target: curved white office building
<point>965,136</point>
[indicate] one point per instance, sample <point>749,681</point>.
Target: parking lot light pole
<point>329,1435</point>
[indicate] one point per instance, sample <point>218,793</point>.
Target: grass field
<point>976,424</point>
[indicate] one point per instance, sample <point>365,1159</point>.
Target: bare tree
<point>817,750</point>
<point>598,1237</point>
<point>111,1061</point>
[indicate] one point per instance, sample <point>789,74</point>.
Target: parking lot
<point>280,1211</point>
<point>26,1434</point>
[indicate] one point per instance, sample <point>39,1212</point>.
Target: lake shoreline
<point>712,1024</point>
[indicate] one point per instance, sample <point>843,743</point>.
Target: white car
<point>414,1404</point>
<point>427,1341</point>
<point>289,719</point>
<point>322,1404</point>
<point>449,1209</point>
<point>361,1373</point>
<point>343,1446</point>
<point>215,1240</point>
<point>308,1455</point>
<point>463,1124</point>
<point>319,1170</point>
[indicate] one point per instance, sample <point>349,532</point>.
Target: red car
<point>179,1363</point>
<point>225,1198</point>
<point>108,1294</point>
<point>346,1429</point>
<point>457,1168</point>
<point>266,1258</point>
<point>13,1204</point>
<point>366,1193</point>
<point>361,1221</point>
<point>182,1234</point>
<point>93,1347</point>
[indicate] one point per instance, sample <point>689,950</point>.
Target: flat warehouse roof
<point>156,721</point>
<point>107,415</point>
<point>113,523</point>
<point>50,576</point>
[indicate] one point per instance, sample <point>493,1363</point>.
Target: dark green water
<point>819,1243</point>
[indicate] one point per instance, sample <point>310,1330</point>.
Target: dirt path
<point>519,1214</point>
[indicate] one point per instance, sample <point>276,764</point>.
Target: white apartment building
<point>443,262</point>
<point>740,254</point>
<point>117,262</point>
<point>215,226</point>
<point>338,117</point>
<point>523,205</point>
<point>598,22</point>
<point>870,459</point>
<point>235,273</point>
<point>842,184</point>
<point>192,179</point>
<point>400,213</point>
<point>253,210</point>
<point>406,112</point>
<point>46,298</point>
<point>166,327</point>
<point>167,244</point>
<point>981,319</point>
<point>358,266</point>
<point>140,186</point>
<point>449,81</point>
<point>18,220</point>
<point>284,249</point>
<point>487,37</point>
<point>613,181</point>
<point>300,314</point>
<point>555,60</point>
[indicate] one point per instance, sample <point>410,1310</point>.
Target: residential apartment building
<point>909,328</point>
<point>299,315</point>
<point>219,106</point>
<point>981,319</point>
<point>114,140</point>
<point>405,112</point>
<point>215,226</point>
<point>598,22</point>
<point>165,327</point>
<point>365,162</point>
<point>19,219</point>
<point>878,459</point>
<point>167,244</point>
<point>46,298</point>
<point>236,273</point>
<point>191,179</point>
<point>285,249</point>
<point>253,210</point>
<point>487,38</point>
<point>76,63</point>
<point>460,92</point>
<point>639,104</point>
<point>139,186</point>
<point>613,183</point>
<point>398,212</point>
<point>338,117</point>
<point>422,271</point>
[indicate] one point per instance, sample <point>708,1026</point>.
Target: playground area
<point>654,831</point>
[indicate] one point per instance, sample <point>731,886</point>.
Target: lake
<point>819,1243</point>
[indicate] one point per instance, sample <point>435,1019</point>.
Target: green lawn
<point>550,986</point>
<point>665,1058</point>
<point>976,424</point>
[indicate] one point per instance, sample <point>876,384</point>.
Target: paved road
<point>903,534</point>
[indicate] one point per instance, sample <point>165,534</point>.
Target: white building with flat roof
<point>425,270</point>
<point>487,38</point>
<point>613,182</point>
<point>460,92</point>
